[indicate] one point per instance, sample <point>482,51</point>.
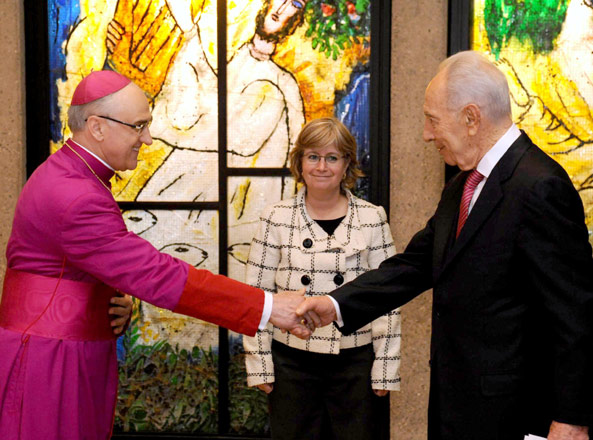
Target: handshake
<point>300,316</point>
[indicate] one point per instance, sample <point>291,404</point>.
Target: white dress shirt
<point>491,158</point>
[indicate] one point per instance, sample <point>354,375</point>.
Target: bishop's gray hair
<point>78,114</point>
<point>472,79</point>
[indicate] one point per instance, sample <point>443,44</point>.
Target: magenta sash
<point>75,311</point>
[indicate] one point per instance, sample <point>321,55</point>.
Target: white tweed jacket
<point>291,251</point>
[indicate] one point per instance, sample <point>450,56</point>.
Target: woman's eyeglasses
<point>330,159</point>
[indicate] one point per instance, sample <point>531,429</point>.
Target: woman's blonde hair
<point>323,132</point>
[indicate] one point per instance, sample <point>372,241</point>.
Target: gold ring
<point>303,321</point>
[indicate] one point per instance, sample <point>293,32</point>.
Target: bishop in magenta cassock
<point>69,249</point>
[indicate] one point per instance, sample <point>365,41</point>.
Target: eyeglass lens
<point>329,159</point>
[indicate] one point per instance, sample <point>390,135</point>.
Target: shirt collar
<point>93,154</point>
<point>493,155</point>
<point>103,171</point>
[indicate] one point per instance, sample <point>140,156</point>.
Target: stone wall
<point>12,115</point>
<point>418,45</point>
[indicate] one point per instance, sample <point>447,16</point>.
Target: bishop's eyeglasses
<point>138,127</point>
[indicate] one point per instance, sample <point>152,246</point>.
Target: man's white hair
<point>472,79</point>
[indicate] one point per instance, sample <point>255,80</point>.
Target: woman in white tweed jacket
<point>318,240</point>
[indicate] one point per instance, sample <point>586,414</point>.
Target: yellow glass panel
<point>552,94</point>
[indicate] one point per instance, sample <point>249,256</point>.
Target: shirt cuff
<point>338,321</point>
<point>265,316</point>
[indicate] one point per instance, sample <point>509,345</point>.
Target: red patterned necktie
<point>471,183</point>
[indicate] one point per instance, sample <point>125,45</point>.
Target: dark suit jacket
<point>512,336</point>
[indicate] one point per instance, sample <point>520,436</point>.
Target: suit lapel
<point>346,238</point>
<point>447,214</point>
<point>490,197</point>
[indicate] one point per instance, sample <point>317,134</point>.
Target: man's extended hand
<point>266,387</point>
<point>563,431</point>
<point>120,311</point>
<point>319,309</point>
<point>284,316</point>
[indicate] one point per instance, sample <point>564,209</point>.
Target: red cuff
<point>221,301</point>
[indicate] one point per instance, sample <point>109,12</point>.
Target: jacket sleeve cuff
<point>221,301</point>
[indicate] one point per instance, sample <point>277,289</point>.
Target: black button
<point>338,279</point>
<point>307,242</point>
<point>305,280</point>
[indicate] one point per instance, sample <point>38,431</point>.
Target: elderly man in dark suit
<point>508,258</point>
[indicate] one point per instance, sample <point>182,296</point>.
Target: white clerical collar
<point>493,155</point>
<point>94,155</point>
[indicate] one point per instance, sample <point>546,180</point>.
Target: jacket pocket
<point>500,384</point>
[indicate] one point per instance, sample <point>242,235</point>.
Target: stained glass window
<point>230,84</point>
<point>546,51</point>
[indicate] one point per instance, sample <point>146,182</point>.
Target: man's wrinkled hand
<point>563,431</point>
<point>120,311</point>
<point>319,309</point>
<point>284,317</point>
